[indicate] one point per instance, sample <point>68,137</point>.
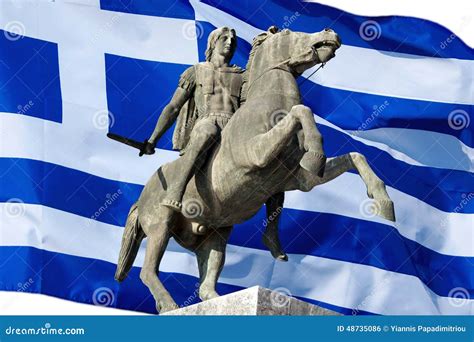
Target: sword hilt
<point>142,151</point>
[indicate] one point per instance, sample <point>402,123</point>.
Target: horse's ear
<point>273,29</point>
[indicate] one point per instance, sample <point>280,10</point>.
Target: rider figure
<point>207,96</point>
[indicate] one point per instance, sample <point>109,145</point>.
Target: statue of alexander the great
<point>207,96</point>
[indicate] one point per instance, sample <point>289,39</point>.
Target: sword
<point>130,142</point>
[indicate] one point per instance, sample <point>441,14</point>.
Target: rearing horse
<point>270,145</point>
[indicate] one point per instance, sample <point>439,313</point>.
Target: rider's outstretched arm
<point>169,114</point>
<point>185,90</point>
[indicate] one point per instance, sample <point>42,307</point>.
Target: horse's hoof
<point>208,295</point>
<point>274,248</point>
<point>385,209</point>
<point>172,204</point>
<point>282,257</point>
<point>167,307</point>
<point>314,162</point>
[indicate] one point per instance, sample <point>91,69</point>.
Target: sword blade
<point>130,142</point>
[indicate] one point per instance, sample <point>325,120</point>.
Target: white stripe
<point>443,232</point>
<point>336,282</point>
<point>415,147</point>
<point>396,74</point>
<point>428,148</point>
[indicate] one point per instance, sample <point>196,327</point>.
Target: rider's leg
<point>202,137</point>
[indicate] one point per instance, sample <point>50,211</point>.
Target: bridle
<point>279,66</point>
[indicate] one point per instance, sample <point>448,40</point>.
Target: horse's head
<point>302,50</point>
<point>307,50</point>
<point>295,51</point>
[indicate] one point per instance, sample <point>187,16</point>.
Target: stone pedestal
<point>254,301</point>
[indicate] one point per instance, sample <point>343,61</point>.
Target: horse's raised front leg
<point>353,160</point>
<point>211,257</point>
<point>271,238</point>
<point>263,148</point>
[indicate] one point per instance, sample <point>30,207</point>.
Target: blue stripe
<point>325,235</point>
<point>29,77</point>
<point>181,9</point>
<point>137,92</point>
<point>359,111</point>
<point>76,278</point>
<point>397,33</point>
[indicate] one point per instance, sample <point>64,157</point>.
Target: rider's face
<point>225,45</point>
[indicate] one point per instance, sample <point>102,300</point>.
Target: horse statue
<point>270,145</point>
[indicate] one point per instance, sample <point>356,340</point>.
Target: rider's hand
<point>149,148</point>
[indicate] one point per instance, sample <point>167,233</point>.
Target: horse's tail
<point>131,239</point>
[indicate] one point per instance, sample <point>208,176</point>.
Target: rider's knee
<point>205,130</point>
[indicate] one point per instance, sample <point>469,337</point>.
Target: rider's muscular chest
<point>220,91</point>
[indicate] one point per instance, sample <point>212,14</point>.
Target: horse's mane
<point>256,43</point>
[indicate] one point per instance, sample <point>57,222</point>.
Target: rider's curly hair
<point>213,37</point>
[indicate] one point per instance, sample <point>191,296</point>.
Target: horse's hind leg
<point>158,233</point>
<point>270,238</point>
<point>211,257</point>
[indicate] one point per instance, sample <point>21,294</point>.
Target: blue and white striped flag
<point>400,91</point>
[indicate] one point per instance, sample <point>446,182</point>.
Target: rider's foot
<point>172,204</point>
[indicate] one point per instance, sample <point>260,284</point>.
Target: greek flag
<point>400,91</point>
